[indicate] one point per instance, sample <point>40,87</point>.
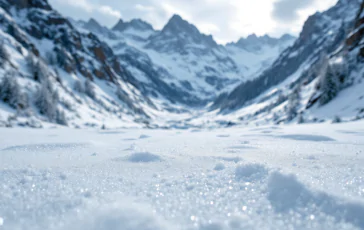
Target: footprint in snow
<point>286,193</point>
<point>304,137</point>
<point>129,139</point>
<point>144,136</point>
<point>131,148</point>
<point>230,159</point>
<point>47,147</point>
<point>251,172</point>
<point>219,167</point>
<point>111,132</point>
<point>140,157</point>
<point>223,136</point>
<point>238,147</point>
<point>195,131</point>
<point>143,157</point>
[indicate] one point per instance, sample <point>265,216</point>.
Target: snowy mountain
<point>256,44</point>
<point>258,53</point>
<point>139,75</point>
<point>128,75</point>
<point>57,74</point>
<point>191,66</point>
<point>295,87</point>
<point>181,37</point>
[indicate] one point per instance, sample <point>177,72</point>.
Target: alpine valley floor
<point>273,177</point>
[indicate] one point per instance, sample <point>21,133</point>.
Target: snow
<point>250,171</point>
<point>219,167</point>
<point>143,157</point>
<point>346,104</point>
<point>120,216</point>
<point>300,137</point>
<point>256,62</point>
<point>291,177</point>
<point>285,193</point>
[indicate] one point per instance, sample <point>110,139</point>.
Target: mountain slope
<point>318,79</point>
<point>258,53</point>
<point>322,33</point>
<point>46,54</point>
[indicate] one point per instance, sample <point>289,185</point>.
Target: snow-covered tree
<point>42,71</point>
<point>330,85</point>
<point>275,117</point>
<point>10,92</point>
<point>78,87</point>
<point>336,119</point>
<point>320,67</point>
<point>293,104</point>
<point>37,68</point>
<point>51,58</point>
<point>31,63</point>
<point>333,76</point>
<point>90,89</point>
<point>46,100</point>
<point>120,94</point>
<point>61,117</point>
<point>4,55</point>
<point>300,119</point>
<point>281,98</point>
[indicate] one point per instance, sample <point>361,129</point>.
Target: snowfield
<point>272,177</point>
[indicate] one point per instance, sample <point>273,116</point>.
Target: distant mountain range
<point>192,63</point>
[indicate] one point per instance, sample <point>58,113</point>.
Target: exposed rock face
<point>67,40</point>
<point>357,33</point>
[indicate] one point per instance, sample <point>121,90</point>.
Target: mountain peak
<point>136,24</point>
<point>93,23</point>
<point>177,34</point>
<point>120,25</point>
<point>94,26</point>
<point>255,43</point>
<point>252,37</point>
<point>177,25</point>
<point>286,37</point>
<point>176,18</point>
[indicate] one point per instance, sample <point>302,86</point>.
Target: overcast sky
<point>226,20</point>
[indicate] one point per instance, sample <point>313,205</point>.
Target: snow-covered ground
<point>273,177</point>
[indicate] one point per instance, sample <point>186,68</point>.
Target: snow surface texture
<point>287,177</point>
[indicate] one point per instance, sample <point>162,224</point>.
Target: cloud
<point>82,4</point>
<point>109,11</point>
<point>144,8</point>
<point>87,6</point>
<point>287,10</point>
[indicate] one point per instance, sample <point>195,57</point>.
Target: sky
<point>226,20</point>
